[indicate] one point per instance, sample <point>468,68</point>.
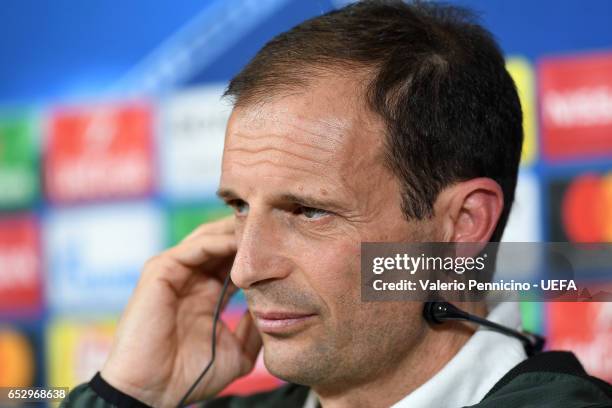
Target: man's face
<point>307,178</point>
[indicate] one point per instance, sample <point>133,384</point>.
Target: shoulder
<point>551,379</point>
<point>288,395</point>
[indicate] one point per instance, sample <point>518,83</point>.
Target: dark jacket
<point>548,380</point>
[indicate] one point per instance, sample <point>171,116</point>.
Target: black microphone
<point>440,312</point>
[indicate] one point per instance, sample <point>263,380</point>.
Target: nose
<point>260,248</point>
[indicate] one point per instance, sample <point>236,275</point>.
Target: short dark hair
<point>438,81</point>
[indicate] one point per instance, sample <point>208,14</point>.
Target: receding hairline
<point>355,100</point>
<point>293,78</point>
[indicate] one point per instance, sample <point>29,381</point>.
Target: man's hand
<point>163,341</point>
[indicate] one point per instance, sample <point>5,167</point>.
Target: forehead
<point>324,130</point>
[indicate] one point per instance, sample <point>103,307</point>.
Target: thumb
<point>250,341</point>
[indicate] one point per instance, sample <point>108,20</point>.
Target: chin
<point>297,364</point>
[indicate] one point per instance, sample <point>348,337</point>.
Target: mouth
<point>276,322</point>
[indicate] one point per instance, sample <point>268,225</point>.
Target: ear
<point>468,211</point>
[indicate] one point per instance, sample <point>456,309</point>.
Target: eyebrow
<point>226,194</point>
<point>311,201</point>
<point>302,199</point>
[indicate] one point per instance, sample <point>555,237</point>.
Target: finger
<point>200,249</point>
<point>223,226</point>
<point>208,255</point>
<point>218,267</point>
<point>230,291</point>
<point>250,340</point>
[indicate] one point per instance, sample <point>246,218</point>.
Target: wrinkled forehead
<point>293,119</point>
<point>325,127</point>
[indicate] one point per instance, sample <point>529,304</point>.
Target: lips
<point>281,322</point>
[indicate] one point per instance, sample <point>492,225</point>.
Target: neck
<point>391,384</point>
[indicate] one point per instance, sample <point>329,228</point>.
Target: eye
<point>239,206</point>
<point>311,213</point>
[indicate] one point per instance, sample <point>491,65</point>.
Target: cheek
<point>332,270</point>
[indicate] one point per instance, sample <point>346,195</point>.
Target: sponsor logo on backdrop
<point>191,142</point>
<point>17,357</point>
<point>522,73</point>
<point>77,350</point>
<point>524,222</point>
<point>99,152</point>
<point>18,162</point>
<point>576,106</point>
<point>580,208</point>
<point>95,254</point>
<point>20,269</point>
<point>588,334</point>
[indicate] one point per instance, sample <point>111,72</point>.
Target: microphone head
<point>432,310</point>
<point>439,312</point>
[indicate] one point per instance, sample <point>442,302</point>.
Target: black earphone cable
<point>213,343</point>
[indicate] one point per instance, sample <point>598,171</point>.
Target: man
<point>382,121</point>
